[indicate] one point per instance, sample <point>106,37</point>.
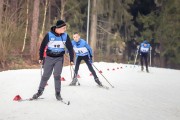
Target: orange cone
<point>17,98</point>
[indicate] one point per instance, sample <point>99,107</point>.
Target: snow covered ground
<point>136,95</point>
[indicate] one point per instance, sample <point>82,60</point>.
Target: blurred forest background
<point>116,27</point>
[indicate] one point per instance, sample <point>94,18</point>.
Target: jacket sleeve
<point>89,49</point>
<point>43,46</point>
<point>70,48</point>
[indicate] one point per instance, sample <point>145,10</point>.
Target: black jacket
<point>45,41</point>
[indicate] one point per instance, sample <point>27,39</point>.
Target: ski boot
<point>39,93</point>
<point>147,70</point>
<point>142,68</point>
<point>98,82</point>
<point>58,96</point>
<point>73,83</point>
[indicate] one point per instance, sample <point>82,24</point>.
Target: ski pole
<point>150,56</point>
<point>103,76</point>
<point>136,56</point>
<point>71,71</point>
<point>41,69</point>
<point>75,75</point>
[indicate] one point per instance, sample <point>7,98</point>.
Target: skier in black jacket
<point>56,40</point>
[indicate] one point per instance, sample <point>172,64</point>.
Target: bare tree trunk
<point>1,11</point>
<point>109,26</point>
<point>43,27</point>
<point>108,41</point>
<point>1,14</point>
<point>63,3</point>
<point>93,30</point>
<point>49,14</point>
<point>34,30</point>
<point>44,18</point>
<point>27,22</point>
<point>13,4</point>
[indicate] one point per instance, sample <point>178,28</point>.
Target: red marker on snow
<point>17,98</point>
<point>78,76</point>
<point>62,79</point>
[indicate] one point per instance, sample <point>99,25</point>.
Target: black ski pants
<point>144,58</point>
<point>86,59</point>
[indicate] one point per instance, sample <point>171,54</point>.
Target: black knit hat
<point>60,23</point>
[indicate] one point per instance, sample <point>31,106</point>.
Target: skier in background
<point>144,50</point>
<point>131,48</point>
<point>83,52</point>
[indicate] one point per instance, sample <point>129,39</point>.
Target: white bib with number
<point>81,50</point>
